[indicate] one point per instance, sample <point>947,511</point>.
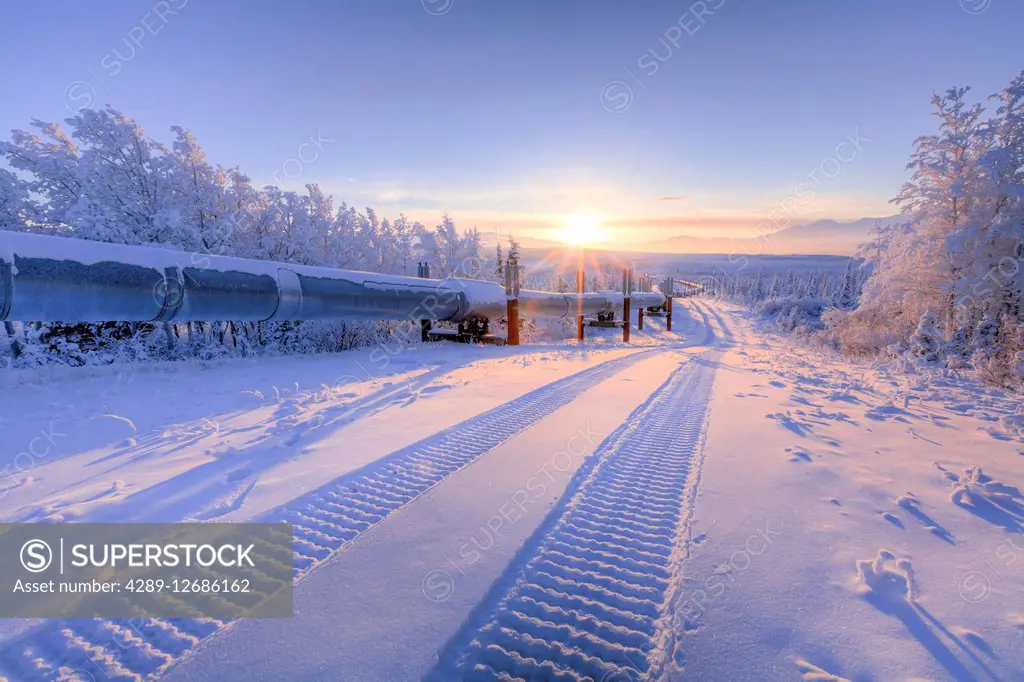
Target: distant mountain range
<point>822,237</point>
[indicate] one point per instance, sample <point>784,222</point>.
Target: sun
<point>582,229</point>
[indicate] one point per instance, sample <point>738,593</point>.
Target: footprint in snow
<point>798,454</point>
<point>257,394</point>
<point>998,503</point>
<point>231,502</point>
<point>812,673</point>
<point>962,408</point>
<point>434,389</point>
<point>891,518</point>
<point>111,428</point>
<point>950,476</point>
<point>974,639</point>
<point>918,436</point>
<point>995,433</point>
<point>843,396</point>
<point>1014,424</point>
<point>786,420</point>
<point>238,475</point>
<point>910,504</point>
<point>24,480</point>
<point>889,411</point>
<point>886,582</point>
<point>69,510</point>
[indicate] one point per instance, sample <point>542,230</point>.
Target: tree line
<point>945,285</point>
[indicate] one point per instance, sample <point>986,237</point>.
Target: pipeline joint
<point>169,293</point>
<point>289,296</point>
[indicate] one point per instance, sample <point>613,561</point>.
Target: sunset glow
<point>583,230</point>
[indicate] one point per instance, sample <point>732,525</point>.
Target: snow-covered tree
<point>405,234</point>
<point>125,191</point>
<point>960,251</point>
<point>1018,356</point>
<point>15,206</point>
<point>986,336</point>
<point>346,224</point>
<point>499,260</point>
<point>925,342</point>
<point>845,297</point>
<point>512,261</point>
<point>50,161</point>
<point>201,203</point>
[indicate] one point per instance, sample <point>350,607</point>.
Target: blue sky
<point>513,114</point>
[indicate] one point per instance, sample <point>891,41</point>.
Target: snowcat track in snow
<point>589,596</point>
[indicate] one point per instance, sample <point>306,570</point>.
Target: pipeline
<point>48,278</point>
<point>563,306</point>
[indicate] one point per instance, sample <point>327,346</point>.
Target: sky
<point>656,119</point>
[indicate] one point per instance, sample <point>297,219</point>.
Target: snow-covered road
<point>692,506</point>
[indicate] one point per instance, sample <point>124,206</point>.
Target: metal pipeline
<point>75,280</point>
<point>637,299</point>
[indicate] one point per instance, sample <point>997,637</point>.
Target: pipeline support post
<point>423,271</point>
<point>580,285</point>
<point>625,320</point>
<point>627,286</point>
<point>513,321</point>
<point>640,319</point>
<point>669,290</point>
<point>627,290</point>
<point>512,305</point>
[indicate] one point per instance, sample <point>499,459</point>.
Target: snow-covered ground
<point>710,504</point>
<point>853,524</point>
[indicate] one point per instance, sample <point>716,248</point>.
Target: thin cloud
<point>685,221</point>
<point>673,197</point>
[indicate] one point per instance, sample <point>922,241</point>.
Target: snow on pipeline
<point>325,520</point>
<point>589,596</point>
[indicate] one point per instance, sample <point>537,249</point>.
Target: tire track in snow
<point>727,336</point>
<point>325,520</point>
<point>589,596</point>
